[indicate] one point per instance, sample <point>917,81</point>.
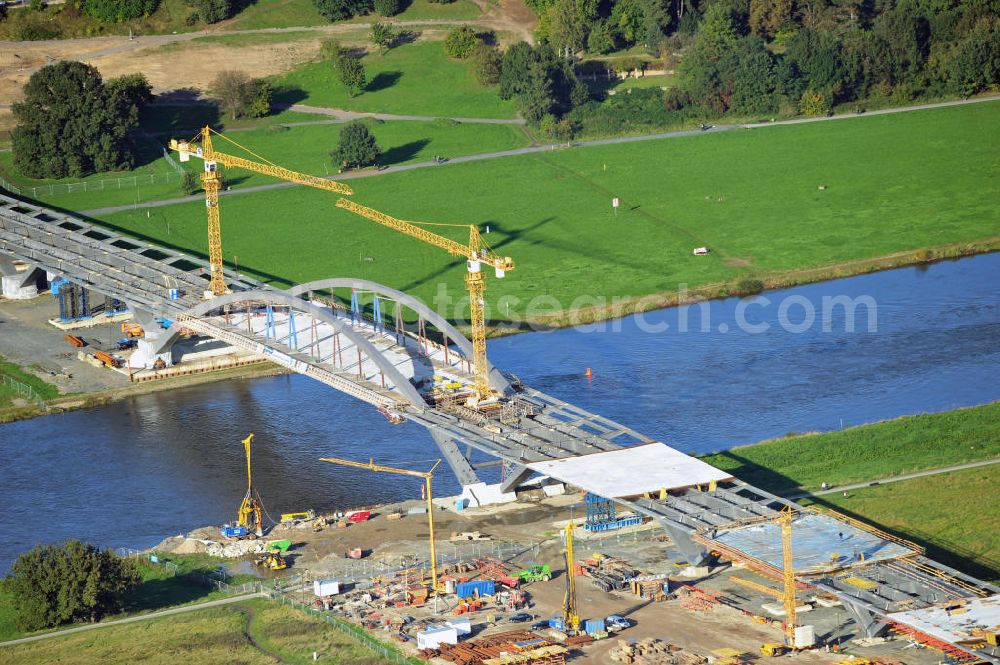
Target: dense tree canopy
<point>339,10</point>
<point>72,582</point>
<point>72,123</point>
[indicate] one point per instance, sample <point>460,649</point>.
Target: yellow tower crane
<point>787,593</point>
<point>571,616</point>
<point>201,146</point>
<point>476,253</point>
<point>426,475</point>
<point>249,514</point>
<point>788,566</point>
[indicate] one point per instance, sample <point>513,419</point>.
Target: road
<point>140,617</point>
<point>537,149</point>
<point>894,479</point>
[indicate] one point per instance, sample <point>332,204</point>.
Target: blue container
<point>234,531</point>
<point>557,623</point>
<point>174,294</point>
<point>57,284</point>
<point>475,588</point>
<point>592,626</point>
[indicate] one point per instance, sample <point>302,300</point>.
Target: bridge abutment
<point>155,349</point>
<point>18,284</point>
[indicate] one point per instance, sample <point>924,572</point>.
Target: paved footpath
<point>895,479</point>
<point>536,149</point>
<point>140,617</point>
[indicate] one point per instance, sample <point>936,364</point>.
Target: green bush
<point>330,50</point>
<point>116,11</point>
<point>388,7</point>
<point>35,31</point>
<point>460,42</point>
<point>749,286</point>
<point>213,11</point>
<point>189,183</point>
<point>486,61</point>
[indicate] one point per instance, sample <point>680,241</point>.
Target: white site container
<point>805,636</point>
<point>461,626</point>
<point>435,636</point>
<point>326,587</point>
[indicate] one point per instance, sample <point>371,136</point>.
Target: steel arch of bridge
<point>497,379</point>
<point>400,383</point>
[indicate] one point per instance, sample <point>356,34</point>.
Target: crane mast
<point>212,183</point>
<point>788,565</point>
<point>476,253</point>
<point>250,511</point>
<point>571,616</point>
<point>428,489</point>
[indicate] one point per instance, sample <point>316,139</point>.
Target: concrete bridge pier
<point>18,284</point>
<point>157,343</point>
<point>865,619</point>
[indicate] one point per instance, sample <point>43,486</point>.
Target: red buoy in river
<point>589,373</point>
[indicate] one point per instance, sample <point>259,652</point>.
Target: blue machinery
<point>602,516</point>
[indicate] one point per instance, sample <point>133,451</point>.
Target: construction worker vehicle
<point>535,574</point>
<point>131,330</point>
<point>291,518</point>
<point>272,561</point>
<point>774,649</point>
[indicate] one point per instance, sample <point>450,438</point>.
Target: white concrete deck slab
<point>957,624</point>
<point>631,471</point>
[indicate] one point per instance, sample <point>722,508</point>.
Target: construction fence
<point>21,389</point>
<point>380,649</point>
<point>127,182</point>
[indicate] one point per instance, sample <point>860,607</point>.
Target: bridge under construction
<point>384,356</point>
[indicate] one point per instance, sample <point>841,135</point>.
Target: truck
<point>535,574</point>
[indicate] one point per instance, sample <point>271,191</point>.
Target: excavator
<point>272,561</point>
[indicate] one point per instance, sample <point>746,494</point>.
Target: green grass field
<point>304,148</point>
<point>868,452</point>
<point>44,389</point>
<point>951,514</point>
<point>250,632</point>
<point>894,183</point>
<point>294,13</point>
<point>412,79</point>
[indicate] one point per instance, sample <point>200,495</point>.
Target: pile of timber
<point>652,651</point>
<point>609,573</point>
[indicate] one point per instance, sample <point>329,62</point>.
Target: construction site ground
<point>29,340</point>
<point>529,533</point>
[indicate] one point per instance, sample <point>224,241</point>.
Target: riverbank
<point>99,398</point>
<point>747,286</point>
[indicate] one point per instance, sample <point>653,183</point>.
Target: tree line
<point>748,58</point>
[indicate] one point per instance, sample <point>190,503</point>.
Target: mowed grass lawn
<point>294,13</point>
<point>956,515</point>
<point>895,182</point>
<point>214,635</point>
<point>412,79</point>
<point>303,148</point>
<point>869,452</point>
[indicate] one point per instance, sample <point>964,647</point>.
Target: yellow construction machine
<point>249,515</point>
<point>428,477</point>
<point>570,615</point>
<point>272,561</point>
<point>201,146</point>
<point>476,254</point>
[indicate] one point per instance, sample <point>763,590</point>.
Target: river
<point>131,473</point>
